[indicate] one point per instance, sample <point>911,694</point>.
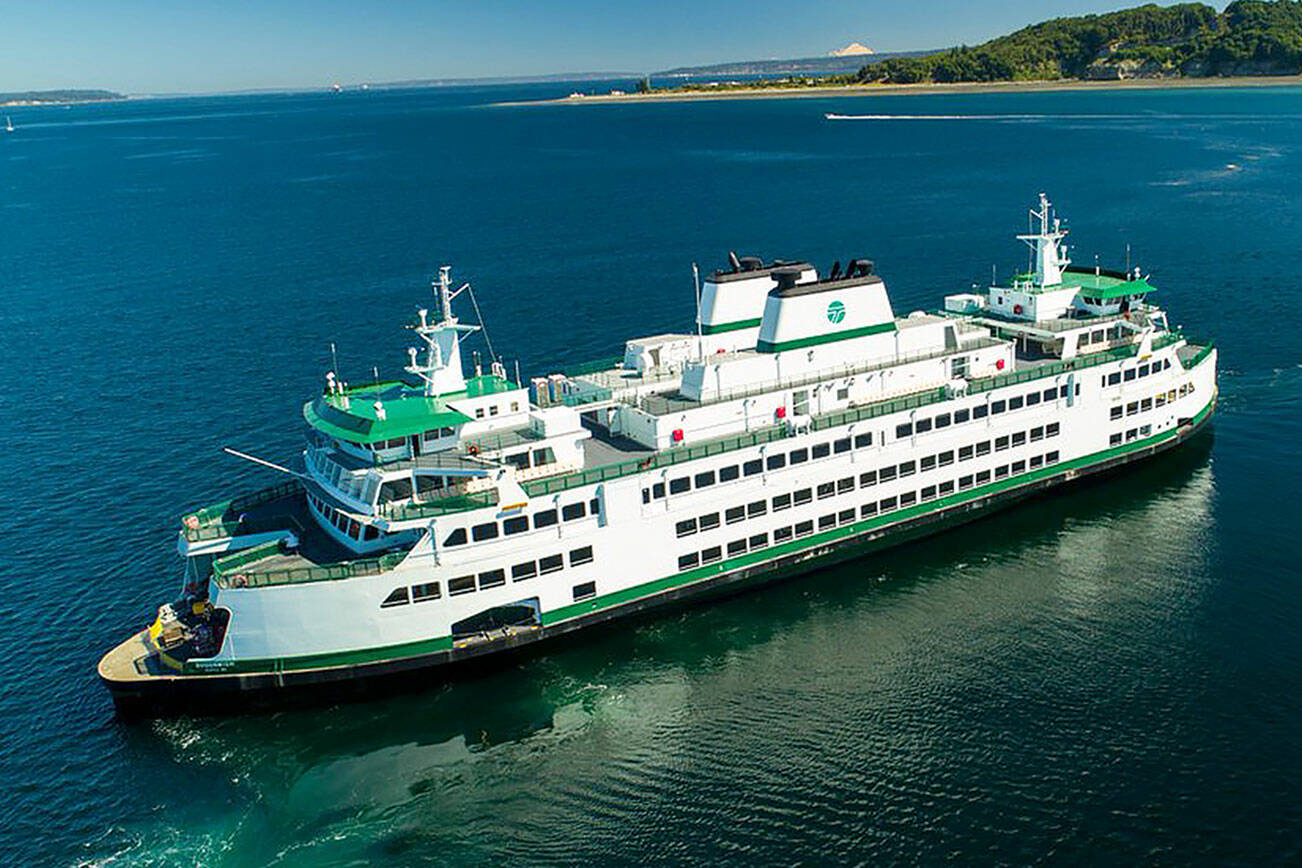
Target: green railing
<point>677,455</point>
<point>221,519</point>
<point>882,408</point>
<point>592,397</point>
<point>236,561</point>
<point>459,503</point>
<point>1204,350</point>
<point>233,577</point>
<point>1053,369</point>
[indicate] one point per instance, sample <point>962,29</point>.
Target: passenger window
<point>482,532</point>
<point>545,518</point>
<point>397,597</point>
<point>492,579</point>
<point>456,538</point>
<point>571,511</point>
<point>426,591</point>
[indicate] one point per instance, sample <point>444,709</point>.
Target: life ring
<point>472,449</point>
<point>1017,308</point>
<point>238,580</point>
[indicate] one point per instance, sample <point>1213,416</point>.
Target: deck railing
<point>537,487</point>
<point>1204,349</point>
<point>222,519</point>
<point>236,572</point>
<point>456,503</point>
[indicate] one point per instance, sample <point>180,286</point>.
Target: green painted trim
<point>764,346</point>
<point>566,613</point>
<point>320,661</point>
<point>720,328</point>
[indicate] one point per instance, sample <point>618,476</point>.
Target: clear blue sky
<point>151,46</point>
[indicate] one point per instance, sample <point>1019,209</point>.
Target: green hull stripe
<point>565,613</point>
<point>730,326</point>
<point>770,347</point>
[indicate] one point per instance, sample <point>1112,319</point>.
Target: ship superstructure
<point>443,517</point>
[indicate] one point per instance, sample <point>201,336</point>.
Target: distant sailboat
<point>9,124</point>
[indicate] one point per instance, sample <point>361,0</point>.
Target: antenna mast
<point>700,341</point>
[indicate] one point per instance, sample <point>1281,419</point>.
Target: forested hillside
<point>1251,37</point>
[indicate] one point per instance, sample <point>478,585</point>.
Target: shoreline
<point>928,88</point>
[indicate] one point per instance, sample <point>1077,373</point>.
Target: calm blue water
<point>1109,677</point>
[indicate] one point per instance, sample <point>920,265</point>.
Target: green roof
<point>477,387</point>
<point>1105,285</point>
<point>406,411</point>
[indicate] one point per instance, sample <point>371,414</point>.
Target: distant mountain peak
<point>852,50</point>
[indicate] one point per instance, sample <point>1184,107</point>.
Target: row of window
<point>494,409</point>
<point>430,591</point>
<point>1117,377</point>
<point>708,478</point>
<point>492,579</point>
<point>521,523</point>
<point>1132,434</point>
<point>349,526</point>
<point>431,436</point>
<point>980,411</point>
<point>1143,405</point>
<point>755,542</point>
<point>732,515</point>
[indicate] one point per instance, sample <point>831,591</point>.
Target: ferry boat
<point>442,518</point>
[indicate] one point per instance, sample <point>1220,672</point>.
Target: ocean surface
<point>1111,676</point>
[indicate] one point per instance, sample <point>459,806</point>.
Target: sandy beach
<point>917,89</point>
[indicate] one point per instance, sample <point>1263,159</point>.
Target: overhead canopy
<point>405,414</point>
<point>1105,285</point>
